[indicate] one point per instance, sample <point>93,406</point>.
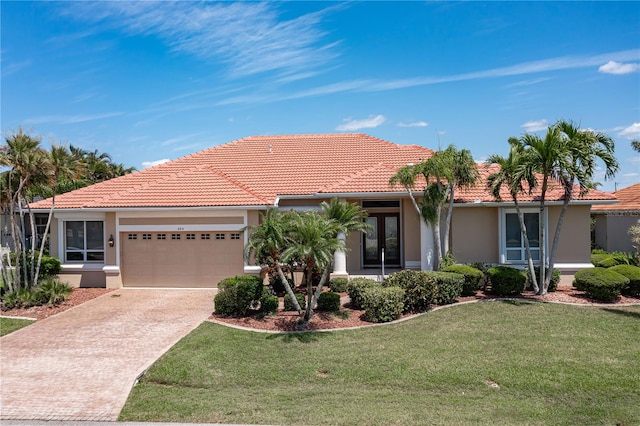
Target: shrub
<point>20,298</point>
<point>472,278</point>
<point>449,286</point>
<point>633,274</point>
<point>49,267</point>
<point>553,284</point>
<point>420,289</point>
<point>51,291</point>
<point>288,304</point>
<point>600,283</point>
<point>236,294</point>
<point>506,280</point>
<point>355,287</point>
<point>612,259</point>
<point>269,304</point>
<point>383,304</point>
<point>338,285</point>
<point>598,256</point>
<point>329,302</point>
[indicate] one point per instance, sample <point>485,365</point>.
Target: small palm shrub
<point>633,274</point>
<point>420,289</point>
<point>472,278</point>
<point>20,298</point>
<point>51,291</point>
<point>449,286</point>
<point>338,285</point>
<point>288,304</point>
<point>236,295</point>
<point>269,304</point>
<point>329,302</point>
<point>383,304</point>
<point>355,288</point>
<point>553,284</point>
<point>600,283</point>
<point>506,280</point>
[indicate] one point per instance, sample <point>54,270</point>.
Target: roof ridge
<point>235,183</point>
<point>355,175</point>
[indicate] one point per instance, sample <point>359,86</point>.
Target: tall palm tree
<point>512,174</point>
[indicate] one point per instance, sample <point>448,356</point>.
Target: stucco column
<point>340,260</point>
<point>426,247</point>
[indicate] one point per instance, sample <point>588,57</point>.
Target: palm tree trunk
<point>287,288</point>
<point>556,236</point>
<point>437,241</point>
<point>447,223</point>
<point>32,255</point>
<point>44,236</point>
<point>309,311</point>
<point>527,248</point>
<point>323,280</point>
<point>543,226</point>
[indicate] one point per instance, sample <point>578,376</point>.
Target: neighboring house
<point>180,224</point>
<point>612,222</point>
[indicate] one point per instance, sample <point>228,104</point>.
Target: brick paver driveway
<point>82,363</point>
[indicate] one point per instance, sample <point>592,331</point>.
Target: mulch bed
<point>78,296</point>
<point>287,321</point>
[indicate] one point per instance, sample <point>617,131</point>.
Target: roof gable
<point>629,200</point>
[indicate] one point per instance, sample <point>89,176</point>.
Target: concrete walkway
<point>81,364</point>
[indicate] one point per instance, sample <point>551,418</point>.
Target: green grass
<point>553,364</point>
<point>8,325</point>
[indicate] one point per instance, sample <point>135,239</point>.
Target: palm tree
<point>267,241</point>
<point>512,174</point>
<point>635,144</point>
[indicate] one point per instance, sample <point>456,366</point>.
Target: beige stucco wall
<point>612,231</point>
<point>574,245</point>
<point>110,230</point>
<point>84,279</point>
<point>53,238</point>
<point>410,232</point>
<point>474,234</point>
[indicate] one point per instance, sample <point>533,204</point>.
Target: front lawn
<point>513,362</point>
<point>8,325</point>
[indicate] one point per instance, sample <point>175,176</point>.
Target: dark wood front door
<point>384,236</point>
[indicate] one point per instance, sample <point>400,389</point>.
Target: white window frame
<point>503,231</point>
<point>85,250</point>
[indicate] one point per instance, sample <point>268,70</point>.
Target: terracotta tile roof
<point>554,191</point>
<point>254,171</point>
<point>629,200</point>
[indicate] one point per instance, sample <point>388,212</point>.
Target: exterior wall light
<point>110,241</point>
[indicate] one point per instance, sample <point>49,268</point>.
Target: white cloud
<point>630,132</point>
<point>350,125</point>
<point>146,164</point>
<point>70,119</point>
<point>535,125</point>
<point>413,124</point>
<point>249,37</point>
<point>613,67</point>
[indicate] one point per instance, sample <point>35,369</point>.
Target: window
<point>235,236</point>
<point>205,236</point>
<point>162,236</point>
<point>175,236</point>
<point>132,236</point>
<point>191,236</point>
<point>84,241</point>
<point>219,236</point>
<point>146,236</point>
<point>513,243</point>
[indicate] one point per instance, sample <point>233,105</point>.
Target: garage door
<point>181,259</point>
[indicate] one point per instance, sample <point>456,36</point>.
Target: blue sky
<point>149,81</point>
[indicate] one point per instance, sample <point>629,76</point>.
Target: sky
<point>149,81</point>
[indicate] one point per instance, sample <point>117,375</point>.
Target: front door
<point>383,237</point>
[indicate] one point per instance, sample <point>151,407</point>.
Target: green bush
<point>355,287</point>
<point>612,259</point>
<point>269,304</point>
<point>600,283</point>
<point>51,291</point>
<point>553,284</point>
<point>599,256</point>
<point>288,304</point>
<point>449,286</point>
<point>329,302</point>
<point>338,285</point>
<point>236,295</point>
<point>49,267</point>
<point>472,278</point>
<point>383,304</point>
<point>420,289</point>
<point>506,280</point>
<point>633,274</point>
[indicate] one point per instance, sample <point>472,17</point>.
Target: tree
<point>635,144</point>
<point>442,173</point>
<point>567,155</point>
<point>512,174</point>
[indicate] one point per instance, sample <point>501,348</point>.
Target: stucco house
<point>612,222</point>
<point>179,224</point>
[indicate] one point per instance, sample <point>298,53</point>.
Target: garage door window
<point>84,241</point>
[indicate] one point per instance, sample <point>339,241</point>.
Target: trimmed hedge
<point>269,304</point>
<point>633,274</point>
<point>506,280</point>
<point>236,294</point>
<point>449,286</point>
<point>600,283</point>
<point>553,284</point>
<point>420,289</point>
<point>329,302</point>
<point>356,287</point>
<point>472,278</point>
<point>338,285</point>
<point>288,304</point>
<point>610,260</point>
<point>383,304</point>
